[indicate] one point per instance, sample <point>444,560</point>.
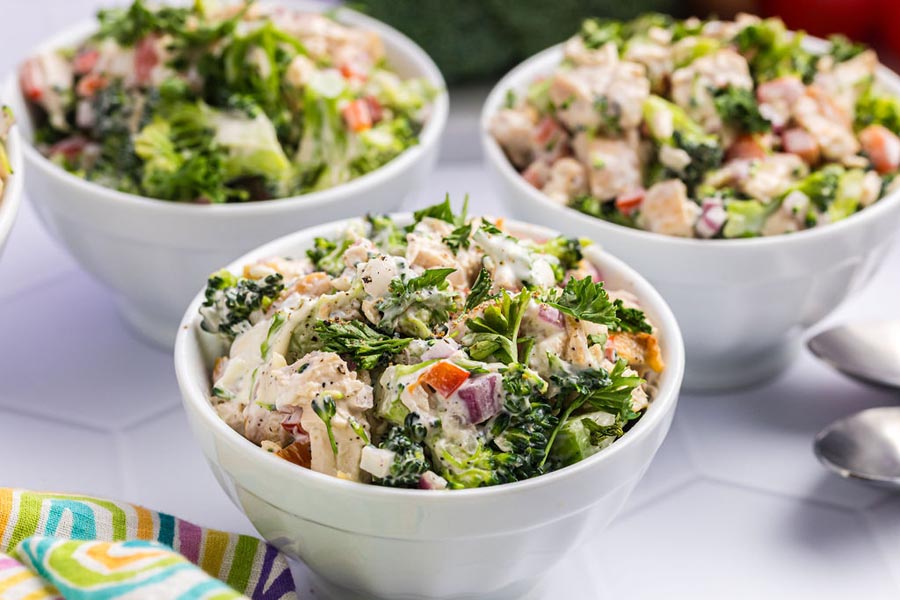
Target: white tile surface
<point>735,506</point>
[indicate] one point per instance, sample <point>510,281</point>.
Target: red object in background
<point>888,23</point>
<point>854,18</point>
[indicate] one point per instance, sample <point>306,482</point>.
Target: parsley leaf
<point>442,211</point>
<point>459,237</point>
<point>481,290</point>
<point>496,332</point>
<point>585,300</point>
<point>362,344</point>
<point>430,278</point>
<point>631,320</point>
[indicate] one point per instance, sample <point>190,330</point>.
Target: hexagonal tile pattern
<point>715,540</point>
<point>734,506</point>
<point>762,438</point>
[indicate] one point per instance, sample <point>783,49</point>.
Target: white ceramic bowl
<point>11,196</point>
<point>403,544</point>
<point>742,304</point>
<point>152,253</point>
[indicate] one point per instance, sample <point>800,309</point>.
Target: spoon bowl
<point>864,446</point>
<point>869,352</point>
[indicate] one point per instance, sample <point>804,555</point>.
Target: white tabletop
<point>735,505</point>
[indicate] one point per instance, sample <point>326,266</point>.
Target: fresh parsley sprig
<point>496,332</point>
<point>585,300</point>
<point>481,290</point>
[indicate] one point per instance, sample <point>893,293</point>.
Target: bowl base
<point>154,329</point>
<point>727,372</point>
<point>327,590</point>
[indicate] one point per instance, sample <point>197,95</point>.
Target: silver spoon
<point>863,446</point>
<point>869,352</point>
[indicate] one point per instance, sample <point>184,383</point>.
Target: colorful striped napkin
<point>32,526</point>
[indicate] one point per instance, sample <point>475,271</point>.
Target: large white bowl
<point>403,544</point>
<point>11,196</point>
<point>152,253</point>
<point>742,304</point>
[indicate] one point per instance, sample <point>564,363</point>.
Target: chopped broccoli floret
<point>773,53</point>
<point>745,218</point>
<point>567,250</point>
<point>843,48</point>
<point>821,186</point>
<point>410,461</point>
<point>387,235</point>
<point>233,304</point>
<point>876,109</point>
<point>328,256</point>
<point>703,149</point>
<point>846,198</point>
<point>417,305</point>
<point>738,107</point>
<point>524,427</point>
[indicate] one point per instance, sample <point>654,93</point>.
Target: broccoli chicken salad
<point>443,354</point>
<point>222,103</point>
<point>707,129</point>
<point>6,123</point>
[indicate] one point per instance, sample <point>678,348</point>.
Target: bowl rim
<point>194,385</point>
<point>542,62</point>
<point>11,197</point>
<point>430,136</point>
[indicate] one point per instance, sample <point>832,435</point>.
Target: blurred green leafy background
<point>476,39</point>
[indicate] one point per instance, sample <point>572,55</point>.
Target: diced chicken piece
<point>361,250</point>
<point>289,268</point>
<point>512,128</point>
<point>773,175</point>
<point>693,86</point>
<point>656,58</point>
<point>44,80</point>
<point>318,379</point>
<point>871,189</point>
<point>608,96</point>
<point>232,413</point>
<point>721,30</point>
<point>798,141</point>
<point>567,181</point>
<point>640,350</point>
<point>746,147</point>
<point>666,209</point>
<point>300,71</point>
<point>882,147</point>
<point>537,173</point>
<point>376,274</point>
<point>430,253</point>
<point>777,98</point>
<point>674,158</point>
<point>613,165</point>
<point>844,82</point>
<point>263,423</point>
<point>827,123</point>
<point>575,50</point>
<point>325,38</point>
<point>549,140</point>
<point>780,222</point>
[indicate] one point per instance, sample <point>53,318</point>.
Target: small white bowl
<point>152,253</point>
<point>742,304</point>
<point>390,543</point>
<point>11,196</point>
